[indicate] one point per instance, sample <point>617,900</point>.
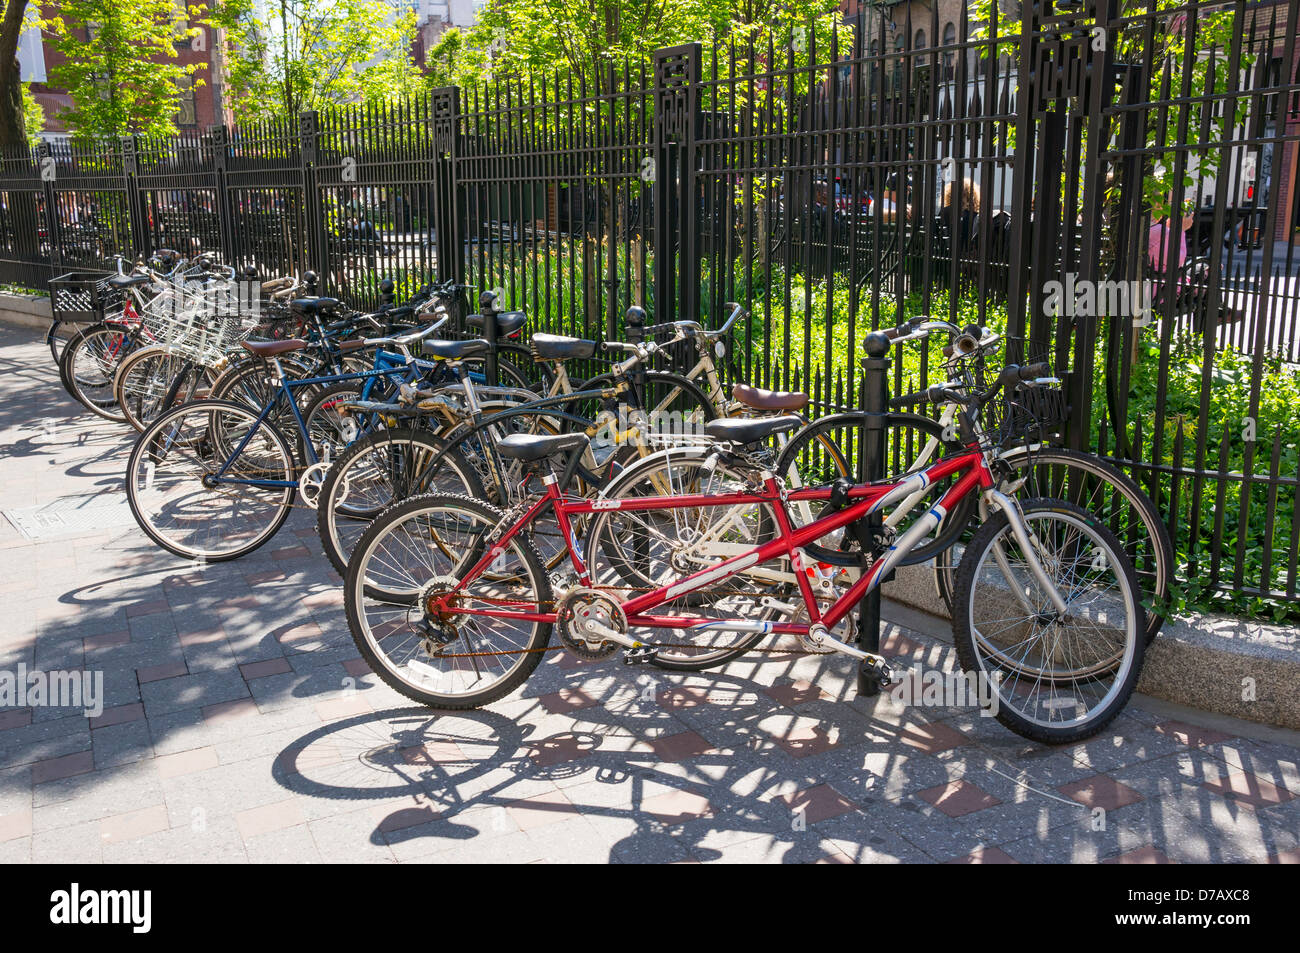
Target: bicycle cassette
<point>436,627</point>
<point>583,618</point>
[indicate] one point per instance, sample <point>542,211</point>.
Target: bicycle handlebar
<point>736,312</point>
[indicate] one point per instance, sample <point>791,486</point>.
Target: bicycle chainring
<point>578,613</point>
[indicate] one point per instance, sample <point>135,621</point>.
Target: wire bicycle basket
<point>198,327</point>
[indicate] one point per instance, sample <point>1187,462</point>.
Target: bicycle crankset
<point>585,620</point>
<point>311,481</point>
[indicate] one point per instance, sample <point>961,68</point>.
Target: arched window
<point>949,57</point>
<point>920,39</point>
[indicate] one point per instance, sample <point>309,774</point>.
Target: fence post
<point>141,233</point>
<point>313,210</point>
<point>871,467</point>
<point>444,114</point>
<point>487,306</point>
<point>676,205</point>
<point>45,160</point>
<point>218,141</point>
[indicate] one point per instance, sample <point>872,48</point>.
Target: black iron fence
<point>1116,183</point>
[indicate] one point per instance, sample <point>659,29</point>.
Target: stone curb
<point>25,311</point>
<point>1223,664</point>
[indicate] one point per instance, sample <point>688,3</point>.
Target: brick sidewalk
<point>240,725</point>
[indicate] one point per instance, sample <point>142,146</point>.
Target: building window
<point>949,57</point>
<point>920,39</point>
<point>186,111</point>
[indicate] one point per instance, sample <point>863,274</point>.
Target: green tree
<point>120,65</point>
<point>580,38</point>
<point>33,116</point>
<point>292,55</point>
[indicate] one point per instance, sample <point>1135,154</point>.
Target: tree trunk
<point>12,130</point>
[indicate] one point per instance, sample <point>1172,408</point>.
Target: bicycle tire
<point>607,539</point>
<point>825,438</point>
<point>332,509</point>
<point>87,390</point>
<point>154,443</point>
<point>358,587</point>
<point>1105,546</point>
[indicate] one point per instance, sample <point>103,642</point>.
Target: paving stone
<point>198,690</point>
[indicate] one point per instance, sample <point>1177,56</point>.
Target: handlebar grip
<point>1014,374</point>
<point>1031,371</point>
<point>907,400</point>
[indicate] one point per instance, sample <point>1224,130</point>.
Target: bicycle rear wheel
<point>419,549</point>
<point>172,481</point>
<point>637,551</point>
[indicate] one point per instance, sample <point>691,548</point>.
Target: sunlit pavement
<point>239,724</point>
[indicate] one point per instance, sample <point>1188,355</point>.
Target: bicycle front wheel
<point>454,657</point>
<point>89,366</point>
<point>1052,676</point>
<point>206,481</point>
<point>145,382</point>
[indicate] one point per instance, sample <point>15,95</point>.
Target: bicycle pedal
<point>640,655</point>
<point>873,677</point>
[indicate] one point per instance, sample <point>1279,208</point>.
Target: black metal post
<point>137,215</point>
<point>218,143</point>
<point>45,160</point>
<point>871,464</point>
<point>316,241</point>
<point>487,306</point>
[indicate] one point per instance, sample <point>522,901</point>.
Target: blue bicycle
<point>213,480</point>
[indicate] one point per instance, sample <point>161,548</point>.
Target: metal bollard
<point>871,462</point>
<point>487,306</point>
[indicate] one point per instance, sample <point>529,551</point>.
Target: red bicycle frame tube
<point>789,540</point>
